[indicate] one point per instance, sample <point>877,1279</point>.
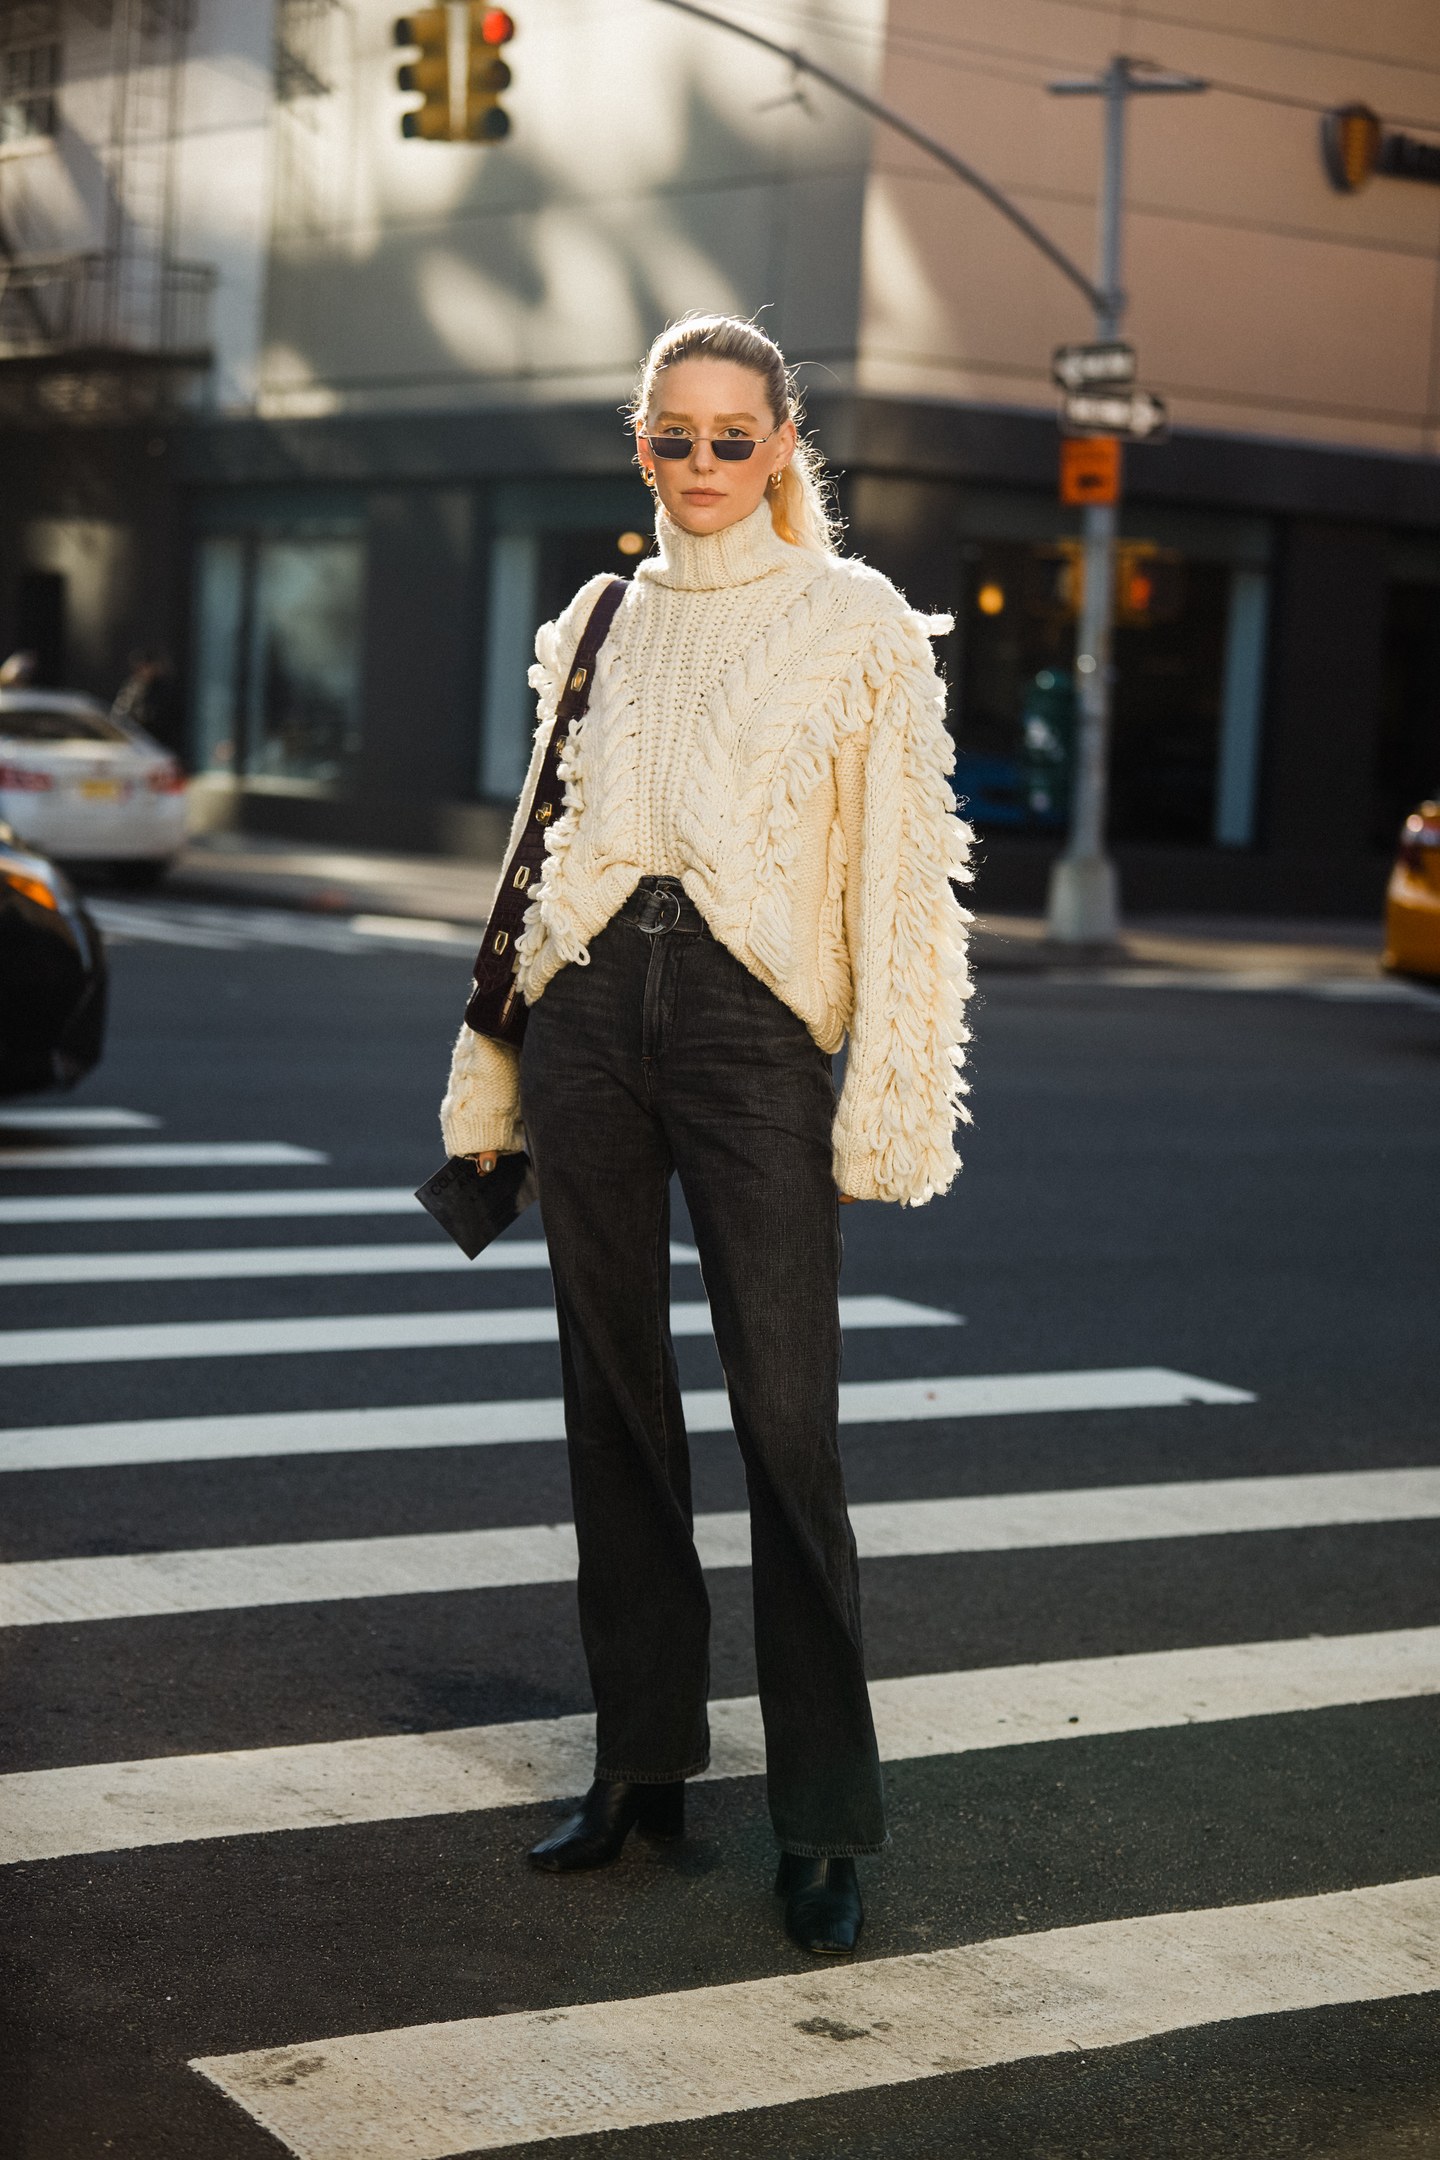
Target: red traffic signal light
<point>485,118</point>
<point>1149,584</point>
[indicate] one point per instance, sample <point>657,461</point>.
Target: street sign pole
<point>1084,898</point>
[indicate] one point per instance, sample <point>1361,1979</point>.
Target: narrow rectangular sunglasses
<point>730,449</point>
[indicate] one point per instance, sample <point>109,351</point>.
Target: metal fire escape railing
<point>126,305</point>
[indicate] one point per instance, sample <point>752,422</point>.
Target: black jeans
<point>666,1055</point>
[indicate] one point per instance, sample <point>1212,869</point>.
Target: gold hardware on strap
<point>500,941</point>
<point>521,878</point>
<point>544,812</point>
<point>578,679</point>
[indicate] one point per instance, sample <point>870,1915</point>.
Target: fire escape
<point>118,330</point>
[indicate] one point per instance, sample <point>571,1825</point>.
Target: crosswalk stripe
<point>174,1799</point>
<point>130,1586</point>
<point>76,1119</point>
<point>373,1331</point>
<point>209,1206</point>
<point>162,1155</point>
<point>38,1270</point>
<point>540,1418</point>
<point>423,2092</point>
<point>233,929</point>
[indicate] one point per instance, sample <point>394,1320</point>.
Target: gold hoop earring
<point>648,477</point>
<point>777,477</point>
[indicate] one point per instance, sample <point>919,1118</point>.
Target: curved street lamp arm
<point>887,114</point>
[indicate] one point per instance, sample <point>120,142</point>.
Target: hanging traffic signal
<point>1149,584</point>
<point>459,75</point>
<point>486,119</point>
<point>429,29</point>
<point>1053,580</point>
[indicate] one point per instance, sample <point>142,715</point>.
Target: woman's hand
<point>847,1199</point>
<point>485,1163</point>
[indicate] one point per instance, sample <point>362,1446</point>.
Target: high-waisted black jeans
<point>666,1055</point>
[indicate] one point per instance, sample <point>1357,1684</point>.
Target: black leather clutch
<point>476,1209</point>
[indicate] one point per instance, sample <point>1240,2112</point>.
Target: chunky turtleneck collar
<point>705,562</point>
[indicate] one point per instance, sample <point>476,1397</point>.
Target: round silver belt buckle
<point>658,929</point>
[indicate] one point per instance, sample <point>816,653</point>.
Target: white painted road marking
<point>233,929</point>
<point>173,1799</point>
<point>373,1331</point>
<point>437,1257</point>
<point>76,1119</point>
<point>132,1586</point>
<point>210,1206</point>
<point>161,1155</point>
<point>423,2092</point>
<point>538,1418</point>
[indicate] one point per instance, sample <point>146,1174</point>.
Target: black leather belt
<point>659,905</point>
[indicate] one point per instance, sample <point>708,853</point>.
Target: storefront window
<point>1191,599</point>
<point>547,538</point>
<point>303,678</point>
<point>277,658</point>
<point>1407,761</point>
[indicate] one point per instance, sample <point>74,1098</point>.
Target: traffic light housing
<point>1054,579</point>
<point>1149,584</point>
<point>486,119</point>
<point>459,74</point>
<point>428,30</point>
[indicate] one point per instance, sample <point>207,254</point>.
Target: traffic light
<point>460,75</point>
<point>1054,579</point>
<point>486,119</point>
<point>1149,584</point>
<point>429,29</point>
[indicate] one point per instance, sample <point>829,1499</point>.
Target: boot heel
<point>660,1810</point>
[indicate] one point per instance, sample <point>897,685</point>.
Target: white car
<point>82,786</point>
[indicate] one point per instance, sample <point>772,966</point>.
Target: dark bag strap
<point>494,1009</point>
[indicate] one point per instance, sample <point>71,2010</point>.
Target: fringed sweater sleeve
<point>894,1135</point>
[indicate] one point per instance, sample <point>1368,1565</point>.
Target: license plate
<point>102,790</point>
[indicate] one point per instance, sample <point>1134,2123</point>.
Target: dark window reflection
<point>1017,708</point>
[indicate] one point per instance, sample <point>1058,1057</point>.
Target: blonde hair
<point>801,507</point>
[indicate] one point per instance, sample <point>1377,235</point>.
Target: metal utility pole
<point>1084,899</point>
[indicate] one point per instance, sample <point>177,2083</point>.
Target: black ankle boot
<point>608,1813</point>
<point>823,1913</point>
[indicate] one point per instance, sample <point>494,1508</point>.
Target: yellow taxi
<point>1412,900</point>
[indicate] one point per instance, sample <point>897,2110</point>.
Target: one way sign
<point>1136,414</point>
<point>1093,367</point>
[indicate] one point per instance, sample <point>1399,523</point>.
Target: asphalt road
<point>1238,1188</point>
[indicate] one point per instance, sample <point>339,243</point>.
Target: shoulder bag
<point>496,1007</point>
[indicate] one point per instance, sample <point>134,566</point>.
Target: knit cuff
<point>854,1167</point>
<point>857,1161</point>
<point>481,1110</point>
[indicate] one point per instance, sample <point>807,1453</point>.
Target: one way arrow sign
<point>1138,415</point>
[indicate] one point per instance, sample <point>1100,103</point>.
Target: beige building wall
<point>1261,301</point>
<point>656,166</point>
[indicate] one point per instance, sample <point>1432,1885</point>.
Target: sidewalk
<point>248,870</point>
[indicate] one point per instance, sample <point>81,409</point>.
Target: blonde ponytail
<point>801,507</point>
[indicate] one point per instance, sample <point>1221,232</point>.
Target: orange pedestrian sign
<point>1089,469</point>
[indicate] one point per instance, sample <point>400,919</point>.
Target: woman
<point>754,861</point>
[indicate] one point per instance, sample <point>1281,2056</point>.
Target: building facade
<point>333,415</point>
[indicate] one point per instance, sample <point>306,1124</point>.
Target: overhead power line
<point>897,121</point>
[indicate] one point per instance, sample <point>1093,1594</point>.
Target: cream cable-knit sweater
<point>766,725</point>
